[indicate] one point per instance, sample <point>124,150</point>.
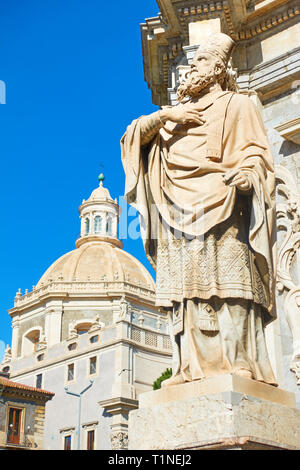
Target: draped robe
<point>213,248</point>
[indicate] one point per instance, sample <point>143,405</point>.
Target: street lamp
<point>79,395</point>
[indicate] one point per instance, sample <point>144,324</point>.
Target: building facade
<point>266,62</point>
<point>22,415</point>
<point>90,333</point>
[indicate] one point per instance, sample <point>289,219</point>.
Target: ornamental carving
<point>288,268</point>
<point>119,440</point>
<point>124,308</point>
<point>97,324</point>
<point>42,344</point>
<point>72,331</point>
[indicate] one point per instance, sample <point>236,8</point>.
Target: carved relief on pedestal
<point>288,268</point>
<point>119,440</point>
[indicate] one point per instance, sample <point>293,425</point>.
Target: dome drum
<point>99,214</point>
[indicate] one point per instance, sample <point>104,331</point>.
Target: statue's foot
<point>244,373</point>
<point>176,380</point>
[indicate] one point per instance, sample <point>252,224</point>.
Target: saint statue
<point>201,176</point>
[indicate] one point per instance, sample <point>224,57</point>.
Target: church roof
<point>97,261</point>
<point>7,384</point>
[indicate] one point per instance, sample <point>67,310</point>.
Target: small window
<point>90,440</point>
<point>72,346</point>
<point>87,226</point>
<point>31,342</point>
<point>82,331</point>
<point>38,382</point>
<point>93,365</point>
<point>94,339</point>
<point>5,369</point>
<point>70,372</point>
<point>97,224</point>
<point>67,442</point>
<point>40,357</point>
<point>109,226</point>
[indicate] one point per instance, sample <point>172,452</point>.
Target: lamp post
<point>79,395</point>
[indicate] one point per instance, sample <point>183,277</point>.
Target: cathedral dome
<point>98,255</point>
<point>98,266</point>
<point>97,261</point>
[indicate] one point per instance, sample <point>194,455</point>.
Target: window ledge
<point>290,130</point>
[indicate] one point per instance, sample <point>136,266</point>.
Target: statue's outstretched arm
<point>150,126</point>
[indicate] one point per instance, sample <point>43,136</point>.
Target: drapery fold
<point>176,179</point>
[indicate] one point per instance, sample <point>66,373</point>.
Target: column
<point>53,325</point>
<point>15,339</point>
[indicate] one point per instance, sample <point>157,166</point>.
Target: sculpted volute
<point>201,175</point>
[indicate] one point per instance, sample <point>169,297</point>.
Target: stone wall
<point>32,421</point>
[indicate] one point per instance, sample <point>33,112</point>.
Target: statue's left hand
<point>239,179</point>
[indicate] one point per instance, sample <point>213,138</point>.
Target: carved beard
<point>194,84</point>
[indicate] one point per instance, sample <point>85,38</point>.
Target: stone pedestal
<point>225,412</point>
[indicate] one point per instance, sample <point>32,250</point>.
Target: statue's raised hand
<point>181,114</point>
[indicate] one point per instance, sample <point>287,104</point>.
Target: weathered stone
<point>232,418</point>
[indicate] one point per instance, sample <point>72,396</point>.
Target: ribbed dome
<point>98,261</point>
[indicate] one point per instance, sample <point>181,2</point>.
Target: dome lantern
<point>99,217</point>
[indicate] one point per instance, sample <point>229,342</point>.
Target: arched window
<point>31,342</point>
<point>87,226</point>
<point>82,328</point>
<point>97,224</point>
<point>109,225</point>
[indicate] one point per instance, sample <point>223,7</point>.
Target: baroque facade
<point>266,63</point>
<point>90,332</point>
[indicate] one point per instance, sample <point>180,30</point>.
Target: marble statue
<point>202,178</point>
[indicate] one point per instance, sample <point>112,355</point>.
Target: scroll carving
<point>288,267</point>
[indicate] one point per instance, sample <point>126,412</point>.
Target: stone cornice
<point>268,22</point>
<point>290,130</point>
<point>96,238</point>
<point>240,27</point>
<point>164,36</point>
<point>86,352</point>
<point>118,405</point>
<point>62,290</point>
<point>264,8</point>
<point>272,77</point>
<point>203,11</point>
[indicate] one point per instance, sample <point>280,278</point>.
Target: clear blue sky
<point>74,81</point>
